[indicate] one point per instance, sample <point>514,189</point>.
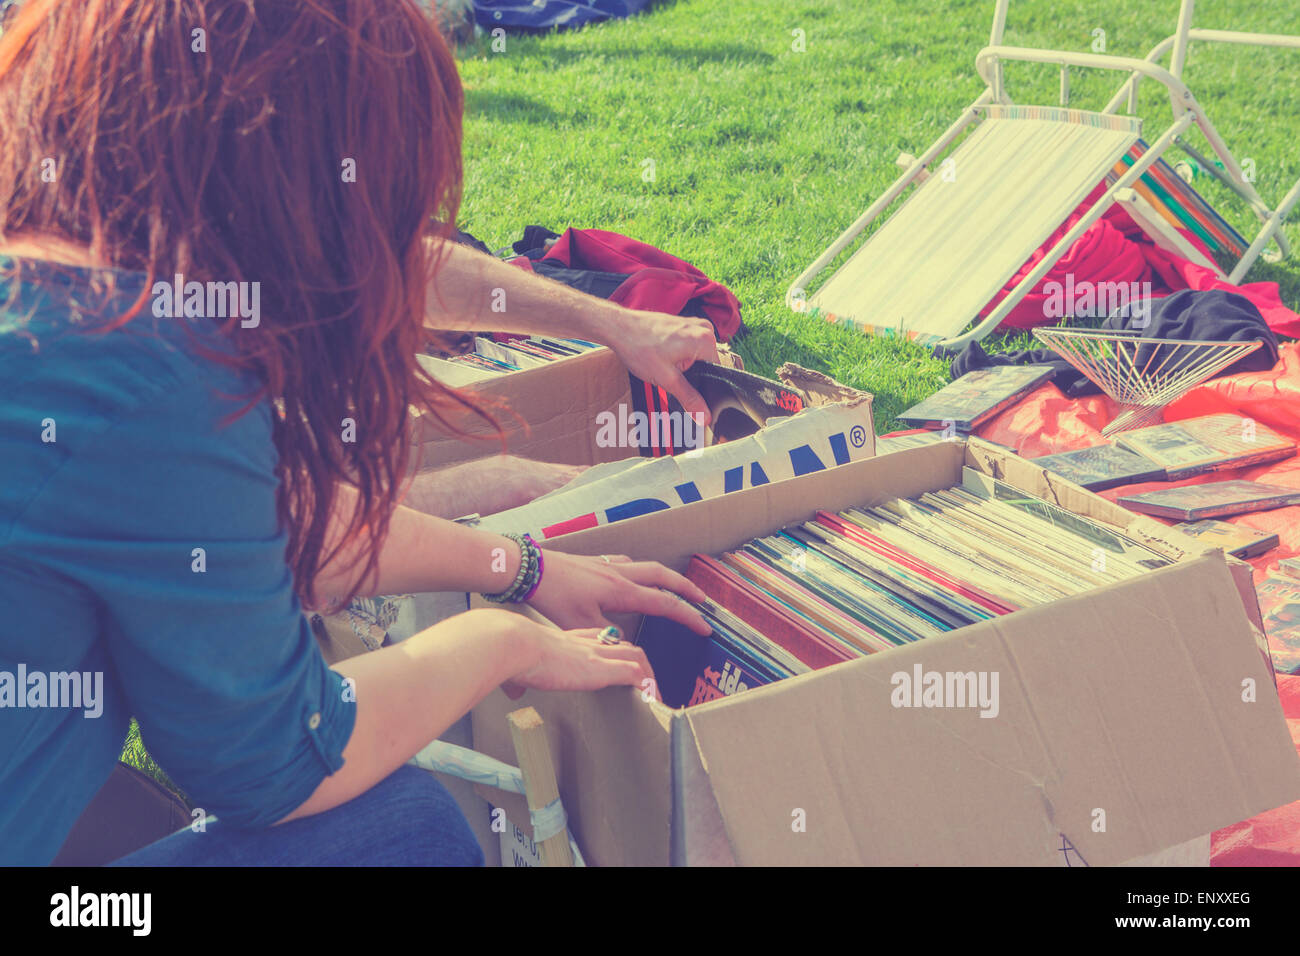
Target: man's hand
<point>655,346</point>
<point>659,347</point>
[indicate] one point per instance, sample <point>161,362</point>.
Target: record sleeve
<point>917,439</point>
<point>769,617</point>
<point>1195,446</point>
<point>1105,538</point>
<point>1215,499</point>
<point>1235,539</point>
<point>740,403</point>
<point>1279,603</point>
<point>691,669</point>
<point>976,396</point>
<point>767,571</point>
<point>1101,467</point>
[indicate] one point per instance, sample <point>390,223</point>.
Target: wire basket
<point>1142,374</point>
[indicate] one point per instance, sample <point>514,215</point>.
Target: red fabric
<point>657,282</point>
<point>1047,422</point>
<point>1115,249</point>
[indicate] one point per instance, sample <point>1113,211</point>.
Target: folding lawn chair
<point>930,268</point>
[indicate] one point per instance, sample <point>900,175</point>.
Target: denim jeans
<point>407,819</point>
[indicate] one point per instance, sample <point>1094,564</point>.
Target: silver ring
<point>605,558</point>
<point>610,635</point>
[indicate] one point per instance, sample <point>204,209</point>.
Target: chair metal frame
<point>1187,111</point>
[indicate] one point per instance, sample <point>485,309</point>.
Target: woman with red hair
<point>181,473</point>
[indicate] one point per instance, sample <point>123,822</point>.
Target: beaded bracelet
<point>541,565</point>
<point>527,578</point>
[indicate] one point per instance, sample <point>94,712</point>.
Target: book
<point>975,397</point>
<point>1279,603</point>
<point>1216,499</point>
<point>1235,539</point>
<point>1101,467</point>
<point>1195,446</point>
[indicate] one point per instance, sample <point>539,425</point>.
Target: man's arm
<point>654,346</point>
<point>486,486</point>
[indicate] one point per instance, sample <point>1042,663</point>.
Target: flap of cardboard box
<point>1116,723</point>
<point>612,756</point>
<point>547,413</point>
<point>818,388</point>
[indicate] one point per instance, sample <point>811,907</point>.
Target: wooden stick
<point>534,755</point>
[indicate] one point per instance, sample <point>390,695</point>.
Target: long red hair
<point>311,146</point>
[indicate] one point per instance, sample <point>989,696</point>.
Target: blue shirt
<point>116,467</point>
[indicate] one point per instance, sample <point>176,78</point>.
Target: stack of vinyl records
<point>491,358</point>
<point>867,580</point>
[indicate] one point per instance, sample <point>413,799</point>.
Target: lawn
<point>762,154</point>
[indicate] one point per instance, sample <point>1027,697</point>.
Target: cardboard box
<point>1132,719</point>
<point>814,439</point>
<point>546,413</point>
<point>552,413</point>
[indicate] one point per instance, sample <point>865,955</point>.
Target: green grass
<point>762,155</point>
<point>135,754</point>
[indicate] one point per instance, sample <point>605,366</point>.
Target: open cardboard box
<point>1133,718</point>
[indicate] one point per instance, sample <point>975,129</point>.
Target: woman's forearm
<point>420,553</point>
<point>478,292</point>
<point>410,693</point>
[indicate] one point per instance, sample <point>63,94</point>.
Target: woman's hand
<point>658,347</point>
<point>580,591</point>
<point>577,660</point>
